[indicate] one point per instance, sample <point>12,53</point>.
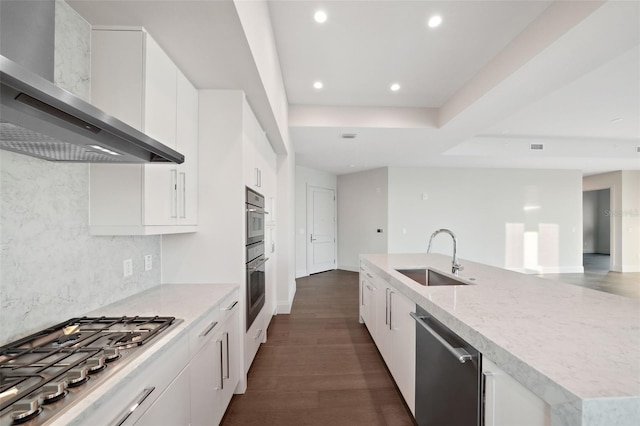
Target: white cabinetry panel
<point>134,80</point>
<point>508,403</point>
<point>385,312</point>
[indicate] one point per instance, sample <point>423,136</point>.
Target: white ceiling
<point>475,92</point>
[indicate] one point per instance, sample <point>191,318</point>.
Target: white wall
<point>630,221</point>
<point>51,269</point>
<point>362,210</point>
<point>214,254</point>
<point>304,178</point>
<point>526,220</point>
<point>285,275</point>
<point>625,216</point>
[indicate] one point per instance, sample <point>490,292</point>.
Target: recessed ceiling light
<point>395,87</point>
<point>320,16</point>
<point>434,21</point>
<point>318,85</point>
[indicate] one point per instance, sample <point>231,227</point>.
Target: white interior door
<point>321,229</point>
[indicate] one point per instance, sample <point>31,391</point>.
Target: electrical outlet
<point>148,262</point>
<point>128,267</point>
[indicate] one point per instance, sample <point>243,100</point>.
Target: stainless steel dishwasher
<point>448,371</point>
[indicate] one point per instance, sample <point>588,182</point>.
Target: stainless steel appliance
<point>45,373</point>
<point>38,118</point>
<point>255,259</point>
<point>255,281</point>
<point>448,371</point>
<point>255,217</point>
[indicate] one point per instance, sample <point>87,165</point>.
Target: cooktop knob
<point>76,376</point>
<point>54,391</point>
<point>26,409</point>
<point>111,354</point>
<point>96,364</point>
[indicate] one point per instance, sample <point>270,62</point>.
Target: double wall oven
<point>255,258</point>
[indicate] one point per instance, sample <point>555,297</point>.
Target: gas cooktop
<point>43,374</point>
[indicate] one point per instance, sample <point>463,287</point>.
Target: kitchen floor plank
<point>319,365</point>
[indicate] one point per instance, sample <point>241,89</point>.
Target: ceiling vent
<point>348,135</point>
<point>536,147</point>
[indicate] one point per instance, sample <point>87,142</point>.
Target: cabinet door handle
<point>226,344</point>
<point>208,329</point>
<point>219,343</point>
<point>386,306</point>
<point>489,418</point>
<point>182,178</point>
<point>122,417</point>
<point>174,193</point>
<point>390,310</point>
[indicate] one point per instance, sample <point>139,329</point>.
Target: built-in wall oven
<point>255,217</point>
<point>255,258</point>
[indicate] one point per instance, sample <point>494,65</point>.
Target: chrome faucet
<point>455,266</point>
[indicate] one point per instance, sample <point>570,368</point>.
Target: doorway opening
<point>596,230</point>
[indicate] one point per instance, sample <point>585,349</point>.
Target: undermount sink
<point>429,277</point>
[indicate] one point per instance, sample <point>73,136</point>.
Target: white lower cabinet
<point>214,370</point>
<point>385,312</point>
<point>367,303</point>
<point>255,336</point>
<point>172,407</point>
<point>508,403</point>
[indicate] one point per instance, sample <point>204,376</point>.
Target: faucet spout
<point>455,266</point>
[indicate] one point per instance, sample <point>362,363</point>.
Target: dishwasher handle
<point>460,353</point>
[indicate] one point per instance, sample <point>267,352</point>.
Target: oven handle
<point>129,411</point>
<point>261,211</point>
<point>259,264</point>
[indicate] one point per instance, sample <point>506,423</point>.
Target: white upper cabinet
<point>135,81</point>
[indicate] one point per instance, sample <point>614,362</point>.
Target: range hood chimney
<point>40,119</point>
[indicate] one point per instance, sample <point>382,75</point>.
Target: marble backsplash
<point>51,269</point>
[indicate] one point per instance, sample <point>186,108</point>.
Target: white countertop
<point>185,302</point>
<point>576,348</point>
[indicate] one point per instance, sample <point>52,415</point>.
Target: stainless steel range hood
<point>40,119</point>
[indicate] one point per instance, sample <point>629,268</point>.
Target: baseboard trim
<point>285,307</point>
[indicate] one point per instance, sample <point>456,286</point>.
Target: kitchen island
<point>576,349</point>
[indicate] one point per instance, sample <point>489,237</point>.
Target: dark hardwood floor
<point>319,365</point>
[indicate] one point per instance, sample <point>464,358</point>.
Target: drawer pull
<point>230,307</point>
<point>139,400</point>
<point>208,330</point>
